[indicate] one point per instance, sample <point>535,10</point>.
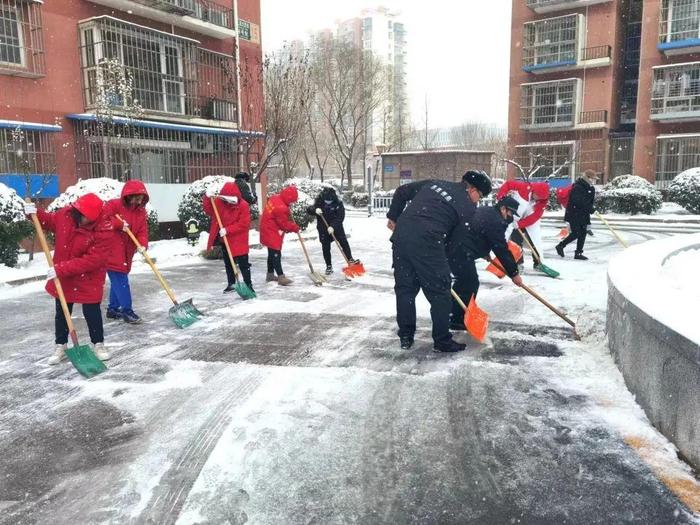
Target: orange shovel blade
<point>564,233</point>
<point>476,321</point>
<point>515,250</point>
<point>496,270</point>
<point>358,268</point>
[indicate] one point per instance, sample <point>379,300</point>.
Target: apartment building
<point>607,85</point>
<point>128,89</point>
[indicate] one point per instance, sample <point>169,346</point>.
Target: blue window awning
<point>169,126</point>
<point>28,126</point>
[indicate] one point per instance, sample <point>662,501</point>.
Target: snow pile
<point>11,205</point>
<point>13,226</point>
<point>659,286</point>
<point>629,194</point>
<point>685,190</point>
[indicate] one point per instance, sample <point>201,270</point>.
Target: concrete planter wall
<point>654,345</point>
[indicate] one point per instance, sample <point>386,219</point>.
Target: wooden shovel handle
<point>228,248</point>
<point>306,254</point>
<point>458,299</point>
<point>526,238</point>
<point>150,262</point>
<point>347,261</point>
<point>619,239</point>
<point>56,282</point>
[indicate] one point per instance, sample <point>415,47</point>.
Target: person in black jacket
<point>333,210</point>
<point>421,230</point>
<point>484,234</point>
<point>578,213</point>
<point>242,181</point>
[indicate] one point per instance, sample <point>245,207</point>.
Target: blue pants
<point>119,291</point>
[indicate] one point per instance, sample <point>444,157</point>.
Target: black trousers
<point>517,238</point>
<point>420,263</point>
<point>93,317</point>
<point>578,233</point>
<point>466,284</point>
<point>327,241</point>
<point>274,261</point>
<point>243,266</point>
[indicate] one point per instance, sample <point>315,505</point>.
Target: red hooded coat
<point>123,248</point>
<point>539,191</point>
<point>275,220</point>
<point>235,218</point>
<point>80,254</point>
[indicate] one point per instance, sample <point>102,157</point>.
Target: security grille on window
<point>548,104</point>
<point>26,152</point>
<point>676,90</point>
<point>550,157</point>
<point>675,155</point>
<point>553,41</point>
<point>153,155</point>
<point>21,38</point>
<point>680,20</point>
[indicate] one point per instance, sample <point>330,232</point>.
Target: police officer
<point>486,232</point>
<point>421,232</point>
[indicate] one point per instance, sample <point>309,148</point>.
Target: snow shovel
<point>495,266</point>
<point>540,265</point>
<point>352,269</point>
<point>563,233</point>
<point>541,299</point>
<point>476,321</point>
<point>316,277</point>
<point>241,288</point>
<point>182,314</point>
<point>623,243</point>
<point>83,358</point>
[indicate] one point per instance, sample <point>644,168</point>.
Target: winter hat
<point>591,176</point>
<point>243,175</point>
<point>510,204</point>
<point>89,206</point>
<point>479,179</point>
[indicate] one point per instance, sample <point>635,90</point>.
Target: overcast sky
<point>458,50</point>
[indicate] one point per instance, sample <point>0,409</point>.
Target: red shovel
<point>353,269</point>
<point>476,321</point>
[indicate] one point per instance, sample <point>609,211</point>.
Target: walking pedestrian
<point>578,213</point>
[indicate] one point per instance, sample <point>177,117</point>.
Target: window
<point>21,40</point>
<point>243,29</point>
<point>38,156</point>
<point>676,89</point>
<point>674,155</point>
<point>550,157</point>
<point>548,104</point>
<point>680,20</point>
<point>552,41</point>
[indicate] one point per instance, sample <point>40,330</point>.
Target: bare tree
<point>426,137</point>
<point>318,140</point>
<point>350,88</point>
<point>540,162</point>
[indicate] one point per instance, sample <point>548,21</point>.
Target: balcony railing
<point>679,27</point>
<point>593,117</point>
<point>203,10</point>
<point>675,92</point>
<point>21,39</point>
<point>596,53</point>
<point>547,6</point>
<point>128,68</point>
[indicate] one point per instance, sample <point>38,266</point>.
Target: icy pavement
<point>299,407</point>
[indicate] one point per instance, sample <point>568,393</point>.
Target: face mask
<point>327,202</point>
<point>509,219</point>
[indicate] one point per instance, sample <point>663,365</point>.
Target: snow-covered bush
<point>308,191</point>
<point>106,189</point>
<point>13,226</point>
<point>359,199</point>
<point>629,194</point>
<point>190,206</point>
<point>685,190</point>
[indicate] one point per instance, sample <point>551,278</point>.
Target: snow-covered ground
<point>299,407</point>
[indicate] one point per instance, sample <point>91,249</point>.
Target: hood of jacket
<point>135,187</point>
<point>289,195</point>
<point>90,206</point>
<point>540,190</point>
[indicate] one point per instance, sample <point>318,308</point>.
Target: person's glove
<point>222,232</point>
<point>50,273</point>
<point>211,192</point>
<point>29,208</point>
<point>331,231</point>
<point>125,225</point>
<point>319,211</point>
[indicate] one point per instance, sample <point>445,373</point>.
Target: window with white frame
<point>680,20</point>
<point>548,104</point>
<point>11,38</point>
<point>551,41</point>
<point>676,89</point>
<point>548,157</point>
<point>675,155</point>
<point>21,38</point>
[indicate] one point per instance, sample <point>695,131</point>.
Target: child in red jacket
<point>274,223</point>
<point>82,243</point>
<point>235,216</point>
<point>131,207</point>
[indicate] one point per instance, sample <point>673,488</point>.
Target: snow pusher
<point>81,356</point>
<point>353,269</point>
<point>241,288</point>
<point>538,260</point>
<point>476,321</point>
<point>183,314</point>
<point>316,277</point>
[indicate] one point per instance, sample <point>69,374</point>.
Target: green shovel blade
<point>85,361</point>
<point>244,290</point>
<point>184,314</point>
<point>547,271</point>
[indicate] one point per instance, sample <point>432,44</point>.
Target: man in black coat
<point>578,213</point>
<point>333,210</point>
<point>242,181</point>
<point>419,241</point>
<point>485,233</point>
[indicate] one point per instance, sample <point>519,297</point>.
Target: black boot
<point>560,249</point>
<point>448,346</point>
<point>580,256</point>
<point>406,341</point>
<point>229,288</point>
<point>457,324</point>
<point>329,269</point>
